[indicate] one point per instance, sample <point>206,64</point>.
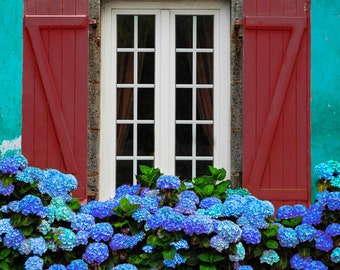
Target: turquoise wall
<point>10,76</point>
<point>325,82</point>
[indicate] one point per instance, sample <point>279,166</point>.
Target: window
<point>165,89</point>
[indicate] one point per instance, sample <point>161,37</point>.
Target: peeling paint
<point>10,147</point>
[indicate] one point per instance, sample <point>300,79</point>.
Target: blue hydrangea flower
<point>148,248</point>
<point>316,265</point>
<point>121,241</point>
<point>100,209</point>
<point>333,201</point>
<point>198,224</point>
<point>233,205</point>
<point>314,214</point>
<point>11,165</point>
<point>269,257</point>
<point>218,243</point>
<point>240,253</point>
<point>215,211</point>
<point>82,222</point>
<point>127,189</point>
<point>66,238</point>
<point>96,253</point>
<point>250,234</point>
<point>44,227</point>
<point>141,214</point>
<point>297,262</point>
<point>31,204</point>
<point>305,232</point>
<point>13,238</point>
<point>166,218</point>
<point>188,185</point>
<point>287,237</point>
<point>150,203</point>
<point>189,194</point>
<point>57,267</point>
<point>245,267</point>
<point>335,255</point>
<point>327,169</point>
<point>125,266</point>
<point>229,231</point>
<point>101,232</point>
<point>59,210</point>
<point>237,191</point>
<point>178,259</point>
<point>209,201</point>
<point>82,237</point>
<point>5,225</point>
<point>288,211</point>
<point>30,175</point>
<point>333,229</point>
<point>335,182</point>
<point>180,244</point>
<point>168,182</point>
<point>25,247</point>
<point>38,245</point>
<point>13,206</point>
<point>6,190</point>
<point>34,263</point>
<point>185,206</point>
<point>324,242</point>
<point>77,265</point>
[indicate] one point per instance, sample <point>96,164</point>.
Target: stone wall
<point>94,95</point>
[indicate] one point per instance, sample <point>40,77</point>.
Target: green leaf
<point>4,265</point>
<point>283,263</point>
<point>133,209</point>
<point>221,174</point>
<point>272,244</point>
<point>120,224</point>
<point>145,169</point>
<point>271,231</point>
<point>207,267</point>
<point>304,252</point>
<point>4,253</point>
<point>258,251</point>
<point>125,205</point>
<point>208,189</point>
<point>169,254</point>
<point>74,204</point>
<point>213,170</point>
<point>210,258</point>
<point>27,231</point>
<point>293,222</point>
<point>222,187</point>
<point>6,181</point>
<point>155,241</point>
<point>199,191</point>
<point>198,181</point>
<point>27,221</point>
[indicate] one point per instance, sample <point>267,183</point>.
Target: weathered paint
<point>10,76</point>
<point>325,83</point>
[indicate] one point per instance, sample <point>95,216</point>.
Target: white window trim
<point>164,152</point>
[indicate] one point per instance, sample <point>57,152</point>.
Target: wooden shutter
<point>55,68</point>
<point>276,118</point>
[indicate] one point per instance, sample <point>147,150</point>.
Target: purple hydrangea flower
<point>305,232</point>
<point>178,259</point>
<point>269,257</point>
<point>6,190</point>
<point>11,165</point>
<point>250,234</point>
<point>101,232</point>
<point>198,224</point>
<point>77,265</point>
<point>287,237</point>
<point>296,262</point>
<point>324,242</point>
<point>34,263</point>
<point>209,201</point>
<point>333,229</point>
<point>335,255</point>
<point>229,231</point>
<point>168,182</point>
<point>218,243</point>
<point>82,222</point>
<point>125,266</point>
<point>96,253</point>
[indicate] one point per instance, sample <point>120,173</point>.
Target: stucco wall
<point>94,95</point>
<point>325,82</point>
<point>10,76</point>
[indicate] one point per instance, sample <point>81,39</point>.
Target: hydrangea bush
<point>162,223</point>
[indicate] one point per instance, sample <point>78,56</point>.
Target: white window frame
<point>164,12</point>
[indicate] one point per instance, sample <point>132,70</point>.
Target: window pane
<point>183,104</point>
<point>204,140</point>
<point>145,140</point>
<point>125,31</point>
<point>205,68</point>
<point>125,67</point>
<point>124,140</point>
<point>146,31</point>
<point>205,104</point>
<point>202,167</point>
<point>124,103</point>
<point>148,163</point>
<point>184,68</point>
<point>183,31</point>
<point>184,169</point>
<point>124,174</point>
<point>146,67</point>
<point>146,99</point>
<point>205,31</point>
<point>183,140</point>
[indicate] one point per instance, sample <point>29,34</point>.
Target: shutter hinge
<point>306,7</point>
<point>93,23</point>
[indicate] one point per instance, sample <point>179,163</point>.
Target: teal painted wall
<point>325,83</point>
<point>11,13</point>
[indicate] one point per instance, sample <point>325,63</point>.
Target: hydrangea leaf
<point>271,231</point>
<point>258,251</point>
<point>169,254</point>
<point>74,204</point>
<point>4,252</point>
<point>272,244</point>
<point>125,205</point>
<point>293,222</point>
<point>207,267</point>
<point>6,181</point>
<point>304,252</point>
<point>208,189</point>
<point>222,187</point>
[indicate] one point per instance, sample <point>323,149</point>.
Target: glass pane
<point>146,31</point>
<point>202,167</point>
<point>183,140</point>
<point>205,31</point>
<point>125,31</point>
<point>145,140</point>
<point>204,140</point>
<point>205,104</point>
<point>148,163</point>
<point>124,172</point>
<point>183,31</point>
<point>205,68</point>
<point>183,104</point>
<point>125,67</point>
<point>183,169</point>
<point>124,140</point>
<point>146,67</point>
<point>146,98</point>
<point>184,68</point>
<point>124,103</point>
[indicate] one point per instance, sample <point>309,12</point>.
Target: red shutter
<point>55,63</point>
<point>276,153</point>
